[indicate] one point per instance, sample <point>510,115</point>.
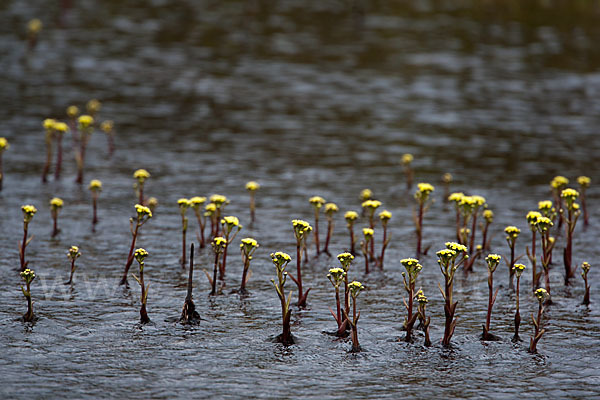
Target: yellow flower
<point>421,298</point>
<point>141,175</point>
<point>279,258</point>
<point>231,221</point>
<point>545,205</point>
<point>196,201</point>
<point>493,260</point>
<point>209,209</point>
<point>519,268</point>
<point>532,218</point>
<point>74,252</point>
<point>252,186</point>
<point>355,288</point>
<point>301,228</point>
<point>95,184</point>
<point>219,242</point>
<point>385,215</point>
<point>72,111</point>
<point>459,248</point>
<point>368,233</point>
<point>28,212</point>
<point>142,211</point>
<point>350,216</point>
<point>248,244</point>
<point>559,182</point>
<point>365,194</point>
<point>543,224</point>
<point>407,158</point>
<point>183,203</point>
<point>345,259</point>
<point>85,121</point>
<point>541,294</point>
<point>140,255</point>
<point>61,127</point>
<point>93,106</point>
<point>4,144</point>
<point>331,208</point>
<point>152,203</point>
<point>371,205</point>
<point>446,255</point>
<point>56,203</point>
<point>456,197</point>
<point>218,200</point>
<point>425,188</point>
<point>512,231</point>
<point>447,178</point>
<point>584,181</point>
<point>34,26</point>
<point>336,276</point>
<point>570,195</point>
<point>28,275</point>
<point>409,262</point>
<point>317,202</point>
<point>107,126</point>
<point>585,266</point>
<point>49,124</point>
<point>488,215</point>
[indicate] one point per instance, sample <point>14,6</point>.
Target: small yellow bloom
<point>196,201</point>
<point>28,275</point>
<point>140,255</point>
<point>345,259</point>
<point>532,218</point>
<point>545,205</point>
<point>421,298</point>
<point>74,252</point>
<point>447,178</point>
<point>141,175</point>
<point>28,212</point>
<point>209,209</point>
<point>331,208</point>
<point>93,106</point>
<point>219,241</point>
<point>34,26</point>
<point>218,200</point>
<point>72,111</point>
<point>461,248</point>
<point>519,268</point>
<point>585,266</point>
<point>371,205</point>
<point>152,203</point>
<point>317,202</point>
<point>559,182</point>
<point>230,221</point>
<point>56,203</point>
<point>107,126</point>
<point>351,216</point>
<point>248,244</point>
<point>493,260</point>
<point>488,215</point>
<point>541,294</point>
<point>456,197</point>
<point>368,233</point>
<point>584,181</point>
<point>252,186</point>
<point>49,124</point>
<point>85,121</point>
<point>365,194</point>
<point>543,224</point>
<point>4,145</point>
<point>385,215</point>
<point>183,203</point>
<point>569,194</point>
<point>301,228</point>
<point>95,184</point>
<point>407,159</point>
<point>61,127</point>
<point>425,188</point>
<point>336,276</point>
<point>142,211</point>
<point>355,288</point>
<point>512,231</point>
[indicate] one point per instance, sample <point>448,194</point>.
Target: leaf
<point>29,240</point>
<point>494,298</point>
<point>287,303</point>
<point>210,281</point>
<point>248,276</point>
<point>441,291</point>
<point>137,279</point>
<point>334,315</point>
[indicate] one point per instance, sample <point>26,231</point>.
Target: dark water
<point>308,98</point>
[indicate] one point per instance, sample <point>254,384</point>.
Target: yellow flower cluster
<point>93,106</point>
<point>355,288</point>
<point>55,203</point>
<point>28,275</point>
<point>61,127</point>
<point>95,184</point>
<point>365,194</point>
<point>219,243</point>
<point>252,186</point>
<point>385,215</point>
<point>184,203</point>
<point>488,215</point>
<point>141,175</point>
<point>74,252</point>
<point>28,212</point>
<point>107,126</point>
<point>317,202</point>
<point>142,211</point>
<point>543,224</point>
<point>351,216</point>
<point>585,266</point>
<point>541,294</point>
<point>218,200</point>
<point>584,181</point>
<point>409,262</point>
<point>331,208</point>
<point>230,221</point>
<point>519,268</point>
<point>545,205</point>
<point>301,228</point>
<point>248,244</point>
<point>407,159</point>
<point>4,144</point>
<point>447,178</point>
<point>412,267</point>
<point>49,124</point>
<point>493,260</point>
<point>512,232</point>
<point>345,259</point>
<point>570,195</point>
<point>368,233</point>
<point>421,298</point>
<point>210,209</point>
<point>532,218</point>
<point>456,197</point>
<point>279,258</point>
<point>140,255</point>
<point>371,205</point>
<point>34,26</point>
<point>559,182</point>
<point>423,191</point>
<point>196,201</point>
<point>85,121</point>
<point>459,248</point>
<point>72,111</point>
<point>336,276</point>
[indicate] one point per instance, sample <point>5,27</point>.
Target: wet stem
<point>131,249</point>
<point>23,246</point>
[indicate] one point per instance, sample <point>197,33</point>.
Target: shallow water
<point>314,99</point>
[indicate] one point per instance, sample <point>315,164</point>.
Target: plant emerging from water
<point>140,256</point>
<point>446,181</point>
<point>364,245</point>
<point>584,184</point>
<point>345,259</point>
<point>492,261</point>
<point>450,260</point>
<point>229,224</point>
<point>28,275</point>
<point>512,233</point>
<point>518,271</point>
<point>337,276</point>
<point>189,315</point>
<point>409,174</point>
<point>488,216</point>
<point>369,208</point>
<point>384,217</point>
<point>470,208</point>
<point>49,128</point>
<point>252,187</point>
<point>218,245</point>
<point>56,205</point>
<point>422,198</point>
<point>355,289</point>
<point>301,230</point>
<point>218,202</point>
<point>543,225</point>
<point>456,198</point>
<point>281,260</point>
<point>28,213</point>
<point>183,204</point>
<point>86,127</point>
<point>4,145</point>
<point>532,218</point>
<point>317,202</point>
<point>330,210</point>
<point>73,255</point>
<point>542,295</point>
<point>351,217</point>
<point>140,175</point>
<point>143,214</point>
<point>108,127</point>
<point>60,128</point>
<point>423,318</point>
<point>95,187</point>
<point>573,212</point>
<point>248,247</point>
<point>585,268</point>
<point>557,185</point>
<point>413,268</point>
<point>196,202</point>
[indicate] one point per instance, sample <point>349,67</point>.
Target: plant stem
<point>214,279</point>
<point>246,261</point>
<point>59,156</point>
<point>352,249</point>
<point>130,256</point>
<point>23,246</point>
<point>317,230</point>
<point>516,337</point>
